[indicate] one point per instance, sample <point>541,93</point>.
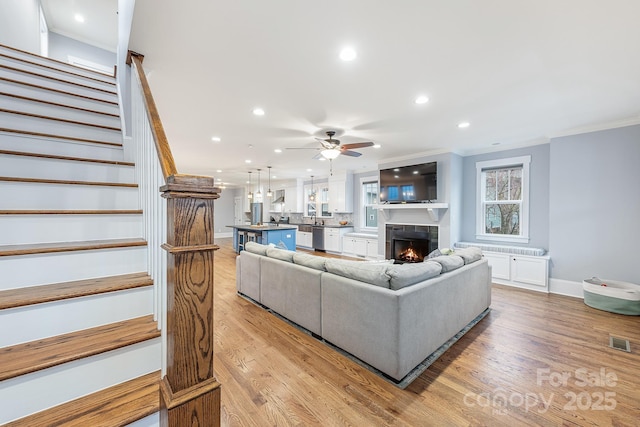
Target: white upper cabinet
<point>341,192</point>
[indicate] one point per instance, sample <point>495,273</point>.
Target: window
<point>503,200</point>
<point>369,200</point>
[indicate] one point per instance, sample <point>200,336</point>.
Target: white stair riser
<point>39,167</point>
<point>61,317</point>
<point>59,147</point>
<point>45,71</point>
<point>55,64</point>
<point>44,269</point>
<point>59,85</point>
<point>27,229</point>
<point>48,110</point>
<point>54,127</point>
<point>58,97</point>
<point>21,195</point>
<point>40,390</point>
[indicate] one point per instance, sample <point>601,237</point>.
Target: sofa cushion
<point>281,254</point>
<point>310,261</point>
<point>402,275</point>
<point>256,248</point>
<point>448,262</point>
<point>470,254</point>
<point>374,273</point>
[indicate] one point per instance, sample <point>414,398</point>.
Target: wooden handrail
<point>167,164</point>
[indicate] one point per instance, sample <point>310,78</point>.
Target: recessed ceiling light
<point>463,125</point>
<point>258,112</point>
<point>348,54</point>
<point>78,17</point>
<point>421,99</point>
<point>247,161</point>
<point>277,150</point>
<point>377,146</point>
<point>219,171</point>
<point>216,139</point>
<point>309,170</point>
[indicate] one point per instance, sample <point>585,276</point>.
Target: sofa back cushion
<point>470,254</point>
<point>448,262</point>
<point>256,248</point>
<point>374,273</point>
<point>281,254</point>
<point>311,261</point>
<point>402,275</point>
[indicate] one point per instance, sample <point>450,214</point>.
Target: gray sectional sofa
<point>393,317</point>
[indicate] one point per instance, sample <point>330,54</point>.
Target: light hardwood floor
<point>536,359</point>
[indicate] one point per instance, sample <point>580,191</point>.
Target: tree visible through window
<point>503,199</point>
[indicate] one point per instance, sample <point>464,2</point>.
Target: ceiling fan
<point>331,147</point>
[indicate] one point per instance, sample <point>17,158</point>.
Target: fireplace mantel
<point>434,210</point>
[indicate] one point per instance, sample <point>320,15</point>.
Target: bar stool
<point>242,239</point>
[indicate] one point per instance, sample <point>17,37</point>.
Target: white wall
<point>223,213</point>
<point>61,47</point>
<point>20,24</point>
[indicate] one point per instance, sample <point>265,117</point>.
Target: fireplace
<point>410,243</point>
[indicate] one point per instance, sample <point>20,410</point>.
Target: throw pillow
<point>402,275</point>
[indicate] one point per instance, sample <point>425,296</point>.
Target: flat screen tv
<point>409,184</point>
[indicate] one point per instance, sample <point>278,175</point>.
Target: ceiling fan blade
<point>350,153</point>
<point>317,156</point>
<point>357,145</point>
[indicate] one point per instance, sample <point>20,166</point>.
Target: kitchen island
<point>265,234</point>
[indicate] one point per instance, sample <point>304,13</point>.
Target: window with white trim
<point>503,200</point>
<point>369,210</point>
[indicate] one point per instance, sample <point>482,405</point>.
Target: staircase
<point>79,341</point>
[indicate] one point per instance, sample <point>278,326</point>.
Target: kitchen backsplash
<point>299,218</point>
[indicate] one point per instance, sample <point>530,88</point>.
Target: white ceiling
<point>519,72</point>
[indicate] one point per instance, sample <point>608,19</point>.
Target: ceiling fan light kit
<point>331,148</point>
<point>330,154</point>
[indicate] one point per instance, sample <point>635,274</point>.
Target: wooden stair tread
<point>64,92</point>
<point>58,119</point>
<point>119,405</point>
<point>59,291</point>
<point>21,359</point>
<point>56,104</point>
<point>66,138</point>
<point>59,70</point>
<point>56,61</point>
<point>55,79</point>
<point>75,159</point>
<point>64,181</point>
<point>71,212</point>
<point>44,248</point>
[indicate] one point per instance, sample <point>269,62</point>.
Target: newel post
<point>189,392</point>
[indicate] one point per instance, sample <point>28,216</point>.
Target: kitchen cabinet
<point>360,246</point>
<point>304,239</point>
<point>341,192</point>
<point>333,238</point>
<point>531,272</point>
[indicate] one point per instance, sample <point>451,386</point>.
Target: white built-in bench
<point>519,266</point>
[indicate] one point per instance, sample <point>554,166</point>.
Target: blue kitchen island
<point>265,234</point>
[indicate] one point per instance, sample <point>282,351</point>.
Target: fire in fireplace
<point>410,243</point>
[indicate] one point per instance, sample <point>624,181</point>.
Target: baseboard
<point>223,235</point>
<point>566,287</point>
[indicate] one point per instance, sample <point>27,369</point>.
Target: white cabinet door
<point>500,265</point>
<point>332,241</point>
<point>341,193</point>
<point>372,248</point>
<point>529,270</point>
<point>348,247</point>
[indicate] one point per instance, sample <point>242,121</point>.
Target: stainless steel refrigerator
<point>256,213</point>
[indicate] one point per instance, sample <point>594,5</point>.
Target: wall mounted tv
<point>409,184</point>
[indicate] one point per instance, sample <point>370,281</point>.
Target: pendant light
<point>312,196</point>
<point>269,192</point>
<point>250,194</point>
<point>258,193</point>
